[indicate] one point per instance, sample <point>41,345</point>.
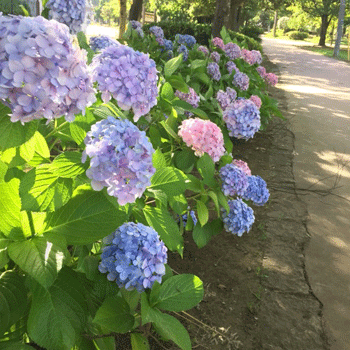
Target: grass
<point>328,51</point>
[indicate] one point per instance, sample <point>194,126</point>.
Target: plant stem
<point>31,223</point>
<point>56,130</point>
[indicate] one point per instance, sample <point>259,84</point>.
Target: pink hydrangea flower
<point>247,56</point>
<point>218,42</point>
<point>271,79</point>
<point>203,136</point>
<point>256,100</point>
<point>243,166</point>
<point>262,71</point>
<point>257,58</point>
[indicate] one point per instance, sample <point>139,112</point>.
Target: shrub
<point>283,23</point>
<point>295,35</point>
<point>253,31</point>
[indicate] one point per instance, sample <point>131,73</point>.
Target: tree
<point>221,10</point>
<point>122,18</point>
<point>340,28</point>
<point>135,10</point>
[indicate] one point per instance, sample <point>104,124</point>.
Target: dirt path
<point>318,96</point>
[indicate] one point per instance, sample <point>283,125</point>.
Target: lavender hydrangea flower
<point>186,39</point>
<point>234,180</point>
<point>226,98</point>
<point>127,75</point>
<point>74,13</point>
<point>193,216</point>
<point>42,75</point>
<point>232,51</point>
<point>257,190</point>
<point>135,24</point>
<point>157,31</point>
<point>168,45</point>
<point>257,58</point>
<point>239,219</point>
<point>215,56</point>
<point>183,49</point>
<point>134,257</point>
<point>191,97</point>
<point>160,41</point>
<point>98,43</point>
<point>231,93</point>
<point>262,71</point>
<point>214,71</point>
<point>203,49</point>
<point>242,119</point>
<point>121,159</point>
<point>218,42</point>
<point>231,66</point>
<point>241,80</point>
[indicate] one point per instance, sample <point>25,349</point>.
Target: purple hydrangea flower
<point>121,159</point>
<point>234,180</point>
<point>242,118</point>
<point>186,39</point>
<point>160,41</point>
<point>168,45</point>
<point>240,218</point>
<point>215,56</point>
<point>76,14</point>
<point>203,49</point>
<point>262,71</point>
<point>127,75</point>
<point>183,49</point>
<point>231,66</point>
<point>140,32</point>
<point>134,257</point>
<point>135,24</point>
<point>214,71</point>
<point>191,97</point>
<point>232,51</point>
<point>226,98</point>
<point>241,80</point>
<point>256,57</point>
<point>193,216</point>
<point>256,100</point>
<point>98,43</point>
<point>243,166</point>
<point>257,190</point>
<point>42,75</point>
<point>157,31</point>
<point>218,42</point>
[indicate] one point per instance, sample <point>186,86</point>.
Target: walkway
<point>318,96</point>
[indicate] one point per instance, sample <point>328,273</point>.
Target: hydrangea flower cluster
<point>234,180</point>
<point>231,66</point>
<point>184,50</point>
<point>257,58</point>
<point>271,79</point>
<point>203,136</point>
<point>74,13</point>
<point>242,118</point>
<point>98,43</point>
<point>203,49</point>
<point>257,190</point>
<point>214,71</point>
<point>168,45</point>
<point>186,39</point>
<point>41,73</point>
<point>137,26</point>
<point>121,159</point>
<point>215,56</point>
<point>226,98</point>
<point>134,257</point>
<point>243,166</point>
<point>160,41</point>
<point>191,97</point>
<point>157,31</point>
<point>193,216</point>
<point>262,71</point>
<point>232,51</point>
<point>239,219</point>
<point>256,100</point>
<point>127,75</point>
<point>241,80</point>
<point>218,42</point>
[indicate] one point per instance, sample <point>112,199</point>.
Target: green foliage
<point>253,31</point>
<point>296,35</point>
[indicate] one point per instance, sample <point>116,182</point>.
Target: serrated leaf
<point>82,124</point>
<point>169,130</point>
<point>114,315</point>
<point>200,113</point>
<point>38,222</point>
<point>194,184</point>
<point>209,93</point>
<point>139,342</point>
<point>223,200</point>
<point>167,92</point>
<point>185,159</point>
<point>14,345</point>
<point>41,150</point>
<point>178,83</point>
<point>158,195</point>
<point>3,171</point>
<point>203,77</point>
<point>68,165</point>
<point>198,64</point>
<point>13,299</point>
<point>178,203</point>
<point>214,197</point>
<point>165,226</point>
<point>58,314</point>
<point>203,213</point>
<point>42,190</point>
<point>202,235</point>
<point>172,65</point>
<point>170,180</point>
<point>39,258</point>
<point>206,168</point>
<point>158,159</point>
<point>87,217</point>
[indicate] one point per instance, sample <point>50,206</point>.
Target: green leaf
<point>84,45</point>
<point>68,165</point>
<point>87,217</point>
<point>139,342</point>
<point>227,140</point>
<point>203,213</point>
<point>178,83</point>
<point>38,223</point>
<point>209,93</point>
<point>41,150</point>
<point>170,180</point>
<point>215,199</point>
<point>89,266</point>
<point>39,258</point>
<point>165,226</point>
<point>10,207</point>
<point>178,203</point>
<point>169,130</point>
<point>14,345</point>
<point>81,124</point>
<point>195,184</point>
<point>14,134</point>
<point>170,328</point>
<point>58,314</point>
<point>200,113</point>
<point>114,315</point>
<point>131,297</point>
<point>206,168</point>
<point>198,64</point>
<point>3,171</point>
<point>179,293</point>
<point>167,92</point>
<point>159,195</point>
<point>42,190</point>
<point>223,200</point>
<point>158,159</point>
<point>172,65</point>
<point>203,77</point>
<point>202,235</point>
<point>185,159</point>
<point>13,299</point>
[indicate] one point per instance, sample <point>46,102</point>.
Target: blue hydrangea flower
<point>242,119</point>
<point>168,45</point>
<point>121,159</point>
<point>134,257</point>
<point>157,31</point>
<point>241,80</point>
<point>193,216</point>
<point>234,180</point>
<point>214,71</point>
<point>225,98</point>
<point>240,218</point>
<point>98,43</point>
<point>185,39</point>
<point>127,75</point>
<point>183,49</point>
<point>257,190</point>
<point>74,13</point>
<point>42,75</point>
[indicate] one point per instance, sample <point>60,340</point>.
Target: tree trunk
<point>122,21</point>
<point>275,23</point>
<point>231,22</point>
<point>324,26</point>
<point>135,10</point>
<point>219,18</point>
<point>240,18</point>
<point>339,28</point>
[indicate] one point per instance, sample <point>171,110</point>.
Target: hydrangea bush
<point>98,182</point>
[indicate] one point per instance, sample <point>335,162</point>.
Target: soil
<point>257,294</point>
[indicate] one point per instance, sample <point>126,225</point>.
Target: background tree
<point>110,11</point>
<point>340,28</point>
<point>135,12</point>
<point>122,18</point>
<point>222,7</point>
